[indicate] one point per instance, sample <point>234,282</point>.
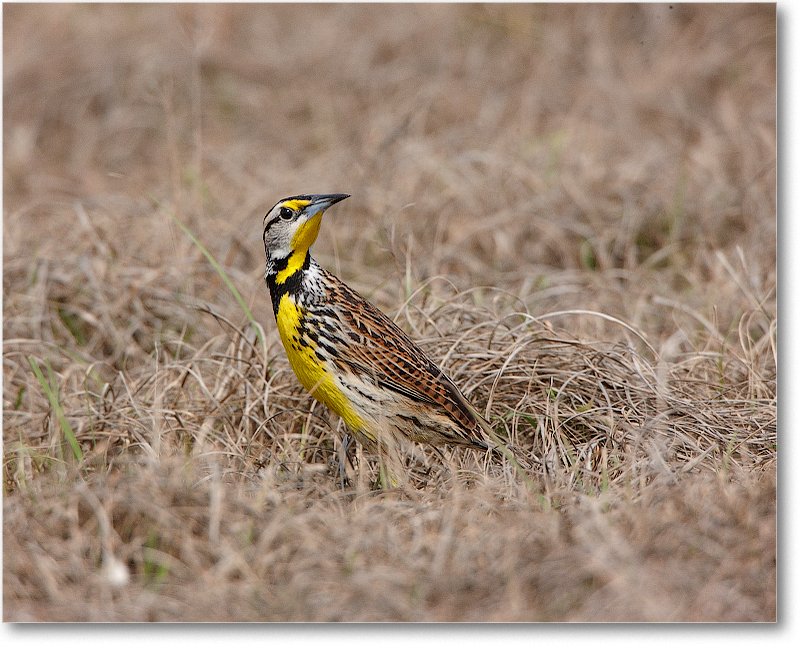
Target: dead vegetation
<point>571,208</point>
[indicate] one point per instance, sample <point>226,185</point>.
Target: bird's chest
<point>296,330</point>
<point>299,329</point>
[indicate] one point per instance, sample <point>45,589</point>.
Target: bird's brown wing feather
<point>383,351</point>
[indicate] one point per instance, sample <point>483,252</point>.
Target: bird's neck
<point>285,275</point>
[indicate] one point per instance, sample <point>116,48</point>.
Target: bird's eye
<point>286,213</point>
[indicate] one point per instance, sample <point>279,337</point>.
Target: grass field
<point>571,208</point>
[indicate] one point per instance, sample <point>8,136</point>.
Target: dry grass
<point>571,208</point>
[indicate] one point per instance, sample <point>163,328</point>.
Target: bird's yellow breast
<point>310,371</point>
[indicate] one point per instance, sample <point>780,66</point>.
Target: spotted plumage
<point>351,356</point>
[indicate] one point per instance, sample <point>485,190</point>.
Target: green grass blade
<point>216,266</point>
<point>52,396</point>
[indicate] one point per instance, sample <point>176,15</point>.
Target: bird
<point>352,357</point>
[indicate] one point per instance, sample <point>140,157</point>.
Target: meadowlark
<point>348,354</point>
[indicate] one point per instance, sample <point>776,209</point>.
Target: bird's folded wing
<point>386,354</point>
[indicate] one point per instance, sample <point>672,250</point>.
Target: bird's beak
<point>321,202</point>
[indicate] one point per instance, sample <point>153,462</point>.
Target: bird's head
<point>292,225</point>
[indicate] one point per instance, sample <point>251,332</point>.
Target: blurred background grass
<point>618,158</point>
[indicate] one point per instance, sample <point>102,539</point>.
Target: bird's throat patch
<point>307,233</point>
